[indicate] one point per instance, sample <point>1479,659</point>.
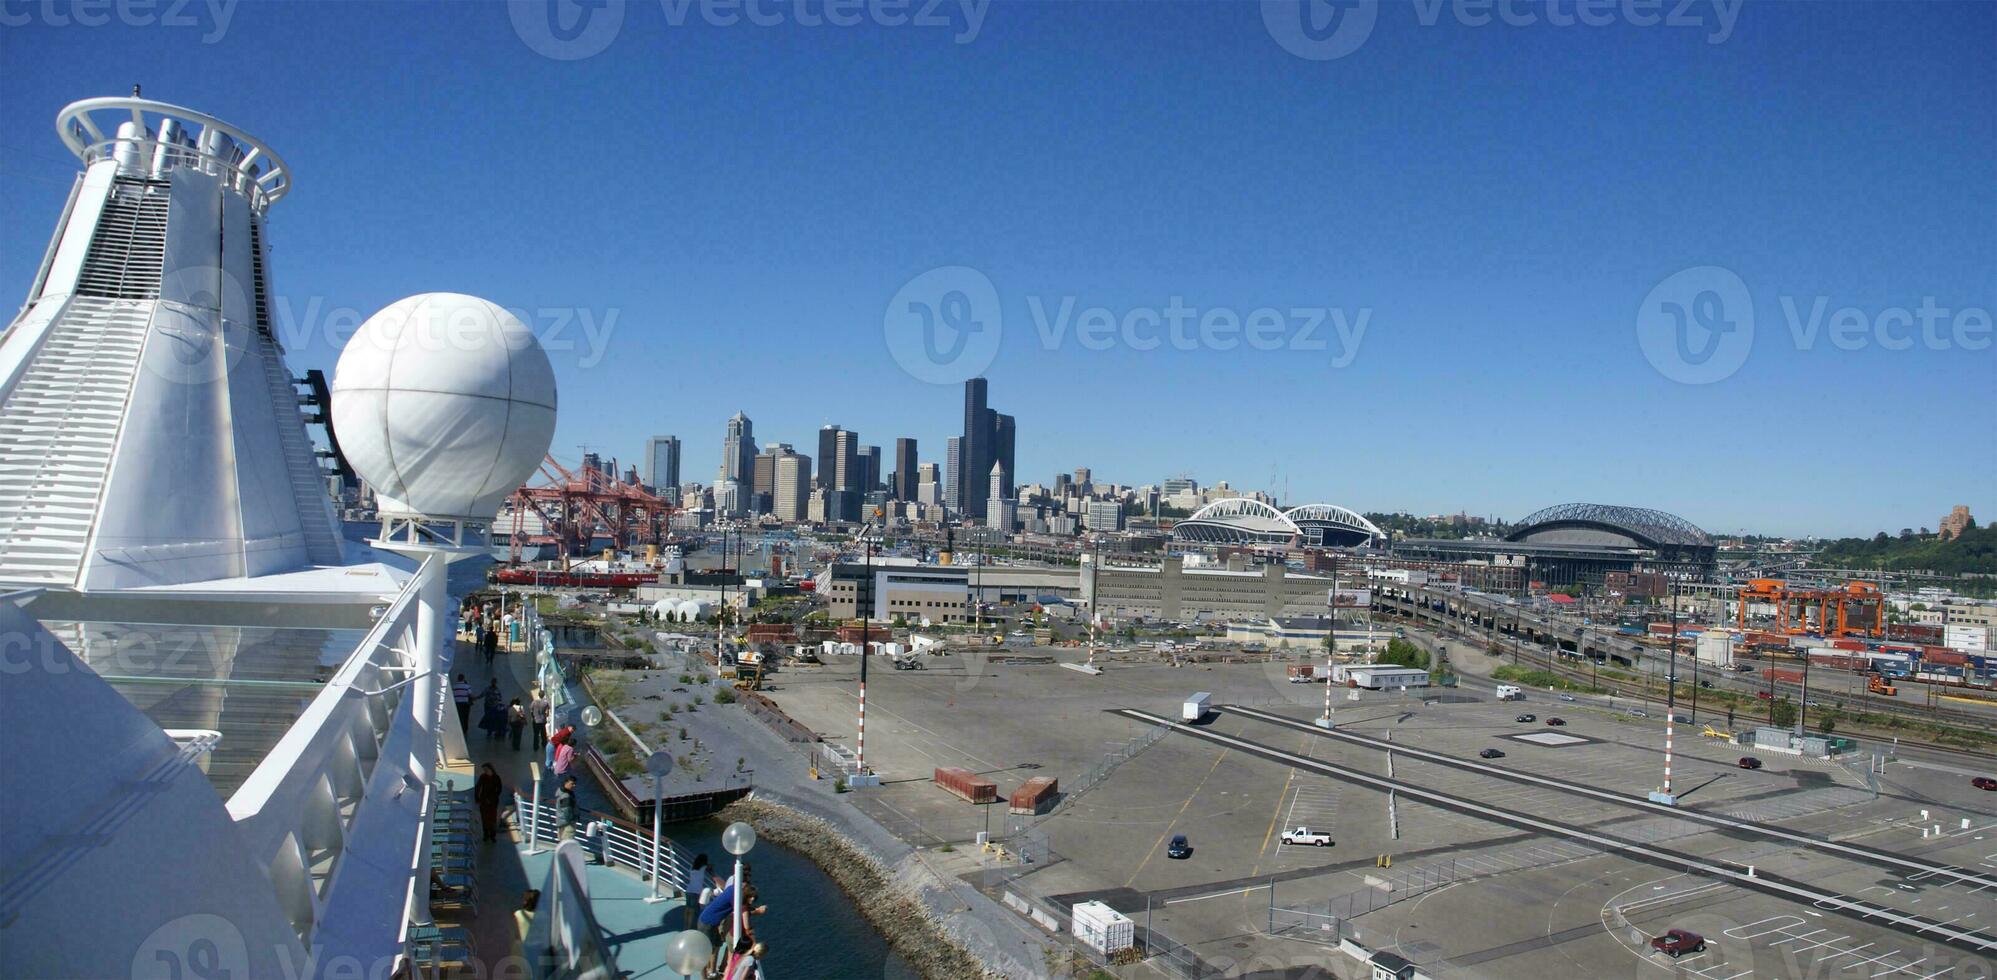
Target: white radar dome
<point>445,404</point>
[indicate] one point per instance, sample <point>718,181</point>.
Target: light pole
<point>689,953</point>
<point>658,764</point>
<point>862,776</point>
<point>737,840</point>
<point>1665,796</point>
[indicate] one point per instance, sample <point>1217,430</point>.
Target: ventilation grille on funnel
<point>130,244</point>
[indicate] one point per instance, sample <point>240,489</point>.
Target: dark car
<point>1678,942</point>
<point>1490,754</point>
<point>1749,762</point>
<point>1556,722</point>
<point>1528,717</point>
<point>1984,783</point>
<point>1179,849</point>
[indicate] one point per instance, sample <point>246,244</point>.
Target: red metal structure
<point>578,506</point>
<point>1855,609</point>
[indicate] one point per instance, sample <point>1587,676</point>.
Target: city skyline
<point>1496,316</point>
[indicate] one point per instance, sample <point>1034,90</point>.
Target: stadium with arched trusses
<point>1581,542</point>
<point>1247,521</point>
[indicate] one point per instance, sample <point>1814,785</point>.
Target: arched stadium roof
<point>1654,528</point>
<point>1245,520</point>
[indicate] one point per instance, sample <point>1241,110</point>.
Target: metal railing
<point>564,940</point>
<point>621,845</point>
<point>1123,752</point>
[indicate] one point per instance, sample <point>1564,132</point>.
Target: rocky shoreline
<point>910,928</point>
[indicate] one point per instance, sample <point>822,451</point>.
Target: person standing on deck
<point>461,692</point>
<point>568,815</point>
<point>516,720</point>
<point>486,792</point>
<point>564,755</point>
<point>537,710</point>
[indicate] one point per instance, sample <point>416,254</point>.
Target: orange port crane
<point>1854,609</point>
<point>576,506</point>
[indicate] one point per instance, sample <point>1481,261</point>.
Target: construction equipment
<point>749,675</point>
<point>1877,685</point>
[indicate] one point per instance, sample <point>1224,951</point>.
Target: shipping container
<point>1033,795</point>
<point>1102,928</point>
<point>1826,658</point>
<point>1933,657</point>
<point>1786,676</point>
<point>966,784</point>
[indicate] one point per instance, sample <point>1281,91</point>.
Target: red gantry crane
<point>577,506</point>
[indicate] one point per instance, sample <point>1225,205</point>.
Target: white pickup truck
<point>1305,835</point>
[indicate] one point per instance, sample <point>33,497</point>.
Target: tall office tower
<point>1001,512</point>
<point>928,485</point>
<point>975,452</point>
<point>763,484</point>
<point>905,478</point>
<point>114,388</point>
<point>828,457</point>
<point>846,460</point>
<point>1062,483</point>
<point>793,488</point>
<point>953,475</point>
<point>995,487</point>
<point>738,450</point>
<point>592,462</point>
<point>662,463</point>
<point>1082,481</point>
<point>631,476</point>
<point>870,469</point>
<point>1002,449</point>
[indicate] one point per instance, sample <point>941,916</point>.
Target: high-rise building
<point>870,469</point>
<point>764,488</point>
<point>662,465</point>
<point>905,478</point>
<point>975,455</point>
<point>1002,448</point>
<point>1104,515</point>
<point>929,485</point>
<point>953,475</point>
<point>1082,480</point>
<point>995,487</point>
<point>738,450</point>
<point>846,460</point>
<point>1955,522</point>
<point>828,458</point>
<point>793,488</point>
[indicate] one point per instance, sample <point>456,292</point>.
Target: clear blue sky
<point>745,201</point>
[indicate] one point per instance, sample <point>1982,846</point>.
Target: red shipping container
<point>1848,644</point>
<point>966,784</point>
<point>1789,676</point>
<point>1944,658</point>
<point>1033,794</point>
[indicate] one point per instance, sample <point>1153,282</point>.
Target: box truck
<point>1195,707</point>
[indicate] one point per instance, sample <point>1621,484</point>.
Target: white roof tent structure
<point>150,432</point>
<point>1247,521</point>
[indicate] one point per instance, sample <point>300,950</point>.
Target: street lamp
<point>737,840</point>
<point>659,764</point>
<point>689,953</point>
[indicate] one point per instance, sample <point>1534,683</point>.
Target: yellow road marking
<point>1175,819</point>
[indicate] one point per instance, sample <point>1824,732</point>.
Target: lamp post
<point>658,764</point>
<point>689,953</point>
<point>737,840</point>
<point>863,597</point>
<point>1664,795</point>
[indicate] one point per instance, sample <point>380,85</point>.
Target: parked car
<point>1490,754</point>
<point>1556,722</point>
<point>1179,849</point>
<point>1680,720</point>
<point>1528,717</point>
<point>1984,783</point>
<point>1305,835</point>
<point>1749,762</point>
<point>1764,695</point>
<point>1567,697</point>
<point>1678,942</point>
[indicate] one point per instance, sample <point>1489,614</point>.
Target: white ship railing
<point>564,941</point>
<point>620,844</point>
<point>338,811</point>
<point>160,138</point>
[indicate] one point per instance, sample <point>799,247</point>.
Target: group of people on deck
<point>738,954</point>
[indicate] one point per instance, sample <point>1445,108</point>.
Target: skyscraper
<point>953,475</point>
<point>975,452</point>
<point>846,460</point>
<point>905,476</point>
<point>929,483</point>
<point>828,465</point>
<point>870,469</point>
<point>763,490</point>
<point>1002,448</point>
<point>738,450</point>
<point>793,487</point>
<point>662,465</point>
